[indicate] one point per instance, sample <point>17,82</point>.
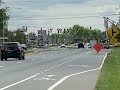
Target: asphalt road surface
<point>55,69</point>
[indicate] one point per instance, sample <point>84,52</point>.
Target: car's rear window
<point>14,45</point>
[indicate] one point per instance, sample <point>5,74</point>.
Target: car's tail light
<point>2,49</point>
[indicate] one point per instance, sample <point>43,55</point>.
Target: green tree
<point>79,33</point>
<point>19,37</point>
<point>4,17</point>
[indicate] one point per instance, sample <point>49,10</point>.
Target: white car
<point>24,46</point>
<point>63,46</point>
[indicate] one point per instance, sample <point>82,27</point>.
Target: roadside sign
<point>113,31</point>
<point>113,40</point>
<point>98,46</point>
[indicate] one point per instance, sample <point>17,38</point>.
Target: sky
<point>46,14</point>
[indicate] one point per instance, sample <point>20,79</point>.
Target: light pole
<point>106,26</point>
<point>3,29</point>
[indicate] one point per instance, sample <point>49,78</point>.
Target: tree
<point>4,17</point>
<point>79,33</point>
<point>19,37</point>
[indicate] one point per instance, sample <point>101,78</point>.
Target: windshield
<point>7,45</point>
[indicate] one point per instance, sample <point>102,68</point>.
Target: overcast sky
<point>60,13</point>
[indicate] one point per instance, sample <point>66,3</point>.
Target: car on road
<point>41,46</point>
<point>63,46</point>
<point>80,45</point>
<point>24,46</point>
<point>12,50</point>
<point>106,45</point>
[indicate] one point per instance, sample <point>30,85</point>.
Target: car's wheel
<point>19,58</point>
<point>5,58</point>
<point>23,57</point>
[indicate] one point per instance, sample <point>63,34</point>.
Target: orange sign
<point>98,46</point>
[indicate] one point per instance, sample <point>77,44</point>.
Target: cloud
<point>60,13</point>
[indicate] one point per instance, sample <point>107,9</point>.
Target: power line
<point>31,18</point>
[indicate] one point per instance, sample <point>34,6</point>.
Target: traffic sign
<point>113,31</point>
<point>98,46</point>
<point>113,40</point>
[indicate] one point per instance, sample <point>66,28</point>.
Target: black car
<point>80,45</point>
<point>12,50</point>
<point>106,45</point>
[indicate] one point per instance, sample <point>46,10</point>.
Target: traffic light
<point>58,30</point>
<point>90,27</point>
<point>51,30</point>
<point>64,31</point>
<point>68,30</point>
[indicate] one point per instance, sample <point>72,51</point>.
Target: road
<point>55,69</point>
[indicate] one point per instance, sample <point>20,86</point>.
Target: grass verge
<point>109,78</point>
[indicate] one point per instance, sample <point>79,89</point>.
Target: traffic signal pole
<point>106,26</point>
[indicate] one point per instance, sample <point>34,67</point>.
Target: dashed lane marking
<point>11,85</point>
<point>33,59</point>
<point>1,66</point>
<point>79,66</point>
<point>19,62</point>
<point>43,57</point>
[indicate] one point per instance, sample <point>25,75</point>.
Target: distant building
<point>42,35</point>
<point>32,38</point>
<point>23,29</point>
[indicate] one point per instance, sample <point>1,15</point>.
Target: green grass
<point>109,78</point>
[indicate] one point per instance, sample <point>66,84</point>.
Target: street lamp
<point>3,29</point>
<point>3,24</point>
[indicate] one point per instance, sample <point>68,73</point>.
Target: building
<point>32,38</point>
<point>23,29</point>
<point>42,36</point>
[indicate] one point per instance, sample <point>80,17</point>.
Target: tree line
<point>77,34</point>
<point>71,35</point>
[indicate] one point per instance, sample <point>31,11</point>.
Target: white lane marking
<point>33,59</point>
<point>79,66</point>
<point>51,55</point>
<point>67,61</point>
<point>19,82</point>
<point>1,66</point>
<point>44,78</point>
<point>19,62</point>
<point>47,77</point>
<point>45,70</point>
<point>104,59</point>
<point>64,78</point>
<point>50,75</point>
<point>40,73</point>
<point>43,57</point>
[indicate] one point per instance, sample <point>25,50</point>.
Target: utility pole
<point>106,26</point>
<point>3,28</point>
<point>118,24</point>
